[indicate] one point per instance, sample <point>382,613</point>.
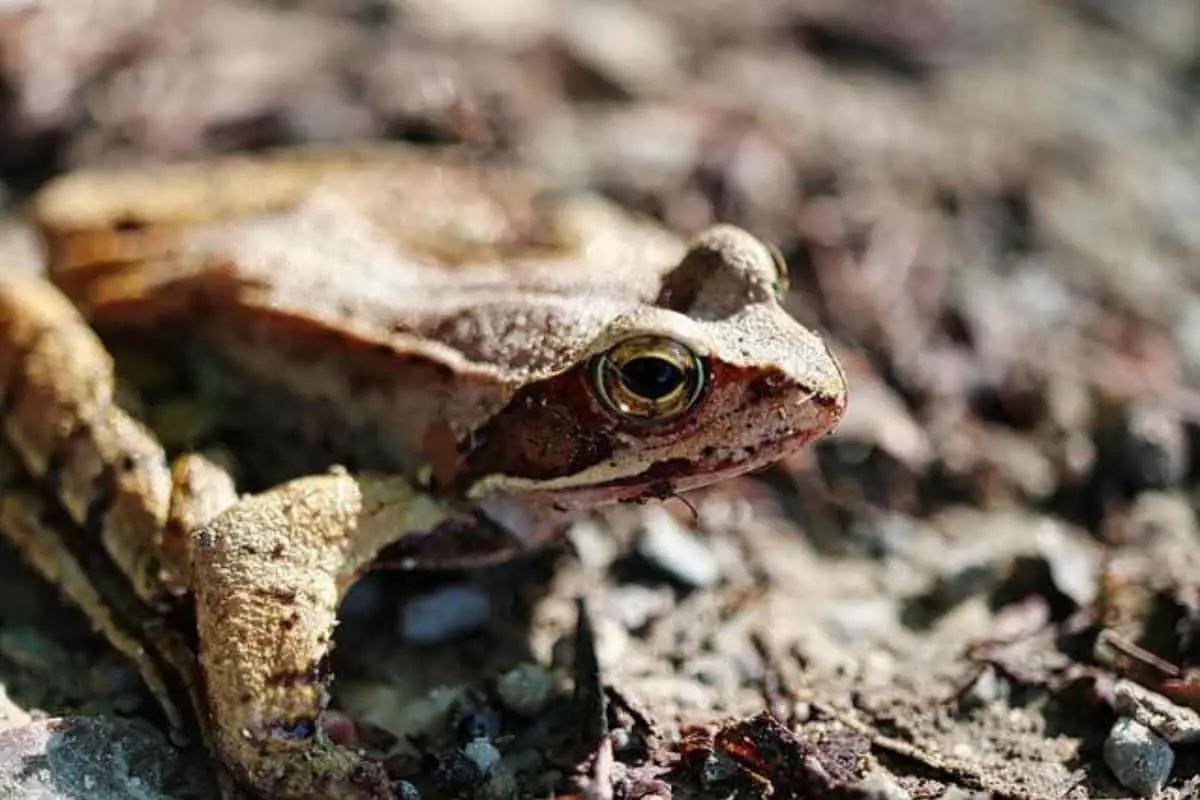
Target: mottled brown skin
<point>450,316</point>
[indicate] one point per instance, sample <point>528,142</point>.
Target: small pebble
<point>526,689</point>
<point>676,550</point>
<point>407,791</point>
<point>635,606</point>
<point>482,754</point>
<point>445,614</point>
<point>383,707</point>
<point>593,544</point>
<point>364,599</point>
<point>1074,564</point>
<point>339,727</point>
<point>990,687</point>
<point>1175,723</point>
<point>881,786</point>
<point>622,740</point>
<point>63,758</point>
<point>501,784</point>
<point>459,775</point>
<point>1138,757</point>
<point>855,620</point>
<point>624,42</point>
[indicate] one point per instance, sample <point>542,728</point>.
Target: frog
<point>480,356</point>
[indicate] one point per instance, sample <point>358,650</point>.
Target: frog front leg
<point>269,574</point>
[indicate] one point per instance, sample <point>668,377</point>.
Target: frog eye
<point>649,378</point>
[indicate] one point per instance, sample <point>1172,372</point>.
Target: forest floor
<point>991,209</point>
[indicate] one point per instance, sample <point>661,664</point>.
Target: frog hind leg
<point>34,528</point>
<point>58,412</point>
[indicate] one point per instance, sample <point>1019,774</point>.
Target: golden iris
<point>649,378</point>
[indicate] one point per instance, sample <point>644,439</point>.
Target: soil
<point>991,209</point>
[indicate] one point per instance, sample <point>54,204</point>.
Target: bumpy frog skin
<point>498,357</point>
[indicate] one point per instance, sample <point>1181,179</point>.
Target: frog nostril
<point>128,225</point>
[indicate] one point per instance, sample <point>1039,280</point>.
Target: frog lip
<point>669,477</point>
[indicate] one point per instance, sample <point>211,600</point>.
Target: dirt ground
<point>991,208</point>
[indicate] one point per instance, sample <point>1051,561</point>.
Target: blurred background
<point>991,208</point>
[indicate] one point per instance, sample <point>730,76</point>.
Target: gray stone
<point>445,614</point>
<point>881,786</point>
<point>68,758</point>
<point>1139,758</point>
<point>676,550</point>
<point>1172,722</point>
<point>526,689</point>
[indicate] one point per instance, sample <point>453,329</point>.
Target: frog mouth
<point>670,477</point>
<point>494,531</point>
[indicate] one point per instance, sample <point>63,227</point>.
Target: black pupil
<point>651,378</point>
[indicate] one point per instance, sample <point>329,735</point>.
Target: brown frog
<point>487,356</point>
